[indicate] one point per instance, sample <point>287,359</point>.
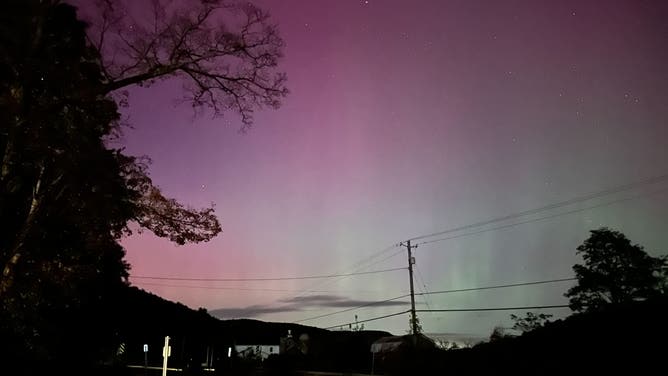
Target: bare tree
<point>225,53</point>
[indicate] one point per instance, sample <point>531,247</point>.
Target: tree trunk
<point>9,270</point>
<point>7,279</point>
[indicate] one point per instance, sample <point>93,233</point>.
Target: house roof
<point>392,343</point>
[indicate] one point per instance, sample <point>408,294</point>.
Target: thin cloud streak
<point>298,304</point>
<point>250,311</point>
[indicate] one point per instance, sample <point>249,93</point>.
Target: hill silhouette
<point>145,318</point>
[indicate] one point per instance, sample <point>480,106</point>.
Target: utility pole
<point>411,261</point>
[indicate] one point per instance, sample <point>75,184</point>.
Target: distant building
<point>256,351</point>
<point>389,353</point>
<point>391,344</point>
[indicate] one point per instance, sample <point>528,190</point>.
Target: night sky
<point>406,118</point>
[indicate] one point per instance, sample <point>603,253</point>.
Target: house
<point>256,351</point>
<point>390,353</point>
<point>394,343</point>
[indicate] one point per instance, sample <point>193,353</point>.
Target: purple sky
<point>406,118</point>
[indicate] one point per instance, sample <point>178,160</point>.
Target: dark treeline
<point>144,318</point>
<point>67,194</point>
<point>626,336</point>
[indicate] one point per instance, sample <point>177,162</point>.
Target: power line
<point>359,267</point>
<point>354,308</point>
<point>495,308</point>
<point>571,201</point>
<point>265,279</point>
<point>452,310</point>
<point>609,191</point>
<point>374,255</point>
<point>499,286</point>
<point>367,320</point>
<point>245,288</point>
<point>439,292</point>
<point>516,215</point>
<point>388,257</point>
<point>606,192</point>
<point>424,290</point>
<point>617,189</point>
<point>546,217</point>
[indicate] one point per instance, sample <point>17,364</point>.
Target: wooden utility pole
<point>411,261</point>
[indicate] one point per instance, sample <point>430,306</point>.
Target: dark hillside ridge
<point>145,318</point>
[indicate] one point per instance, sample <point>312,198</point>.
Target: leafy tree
<point>418,326</point>
<point>497,334</point>
<point>615,271</point>
<point>66,197</point>
<point>449,345</point>
<point>530,322</point>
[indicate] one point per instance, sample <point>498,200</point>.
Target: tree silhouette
<point>530,322</point>
<point>227,66</point>
<point>66,197</point>
<point>224,53</point>
<point>498,333</point>
<point>418,325</point>
<point>357,328</point>
<point>614,271</point>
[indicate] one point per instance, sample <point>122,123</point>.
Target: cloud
<point>300,302</point>
<point>310,298</point>
<point>250,311</point>
<point>338,301</point>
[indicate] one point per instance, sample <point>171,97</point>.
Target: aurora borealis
<point>406,118</point>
